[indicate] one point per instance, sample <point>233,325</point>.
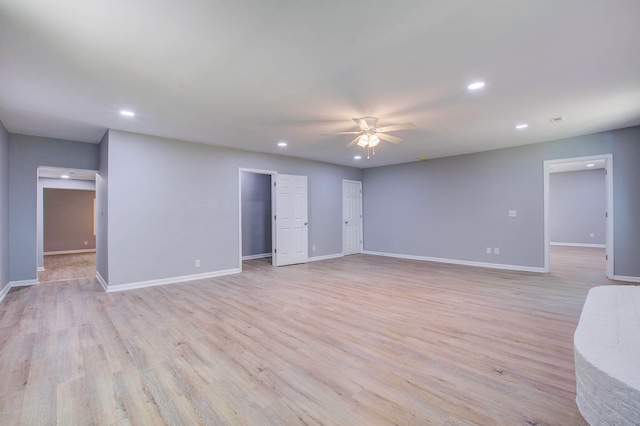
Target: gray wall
<point>68,220</point>
<point>577,205</point>
<point>171,202</point>
<point>456,207</point>
<point>256,214</point>
<point>4,207</point>
<point>53,183</point>
<point>26,154</point>
<point>102,211</point>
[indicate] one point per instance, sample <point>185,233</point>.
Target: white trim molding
<point>256,256</point>
<point>102,281</point>
<point>460,262</point>
<point>23,283</point>
<point>325,257</point>
<point>49,253</point>
<point>273,173</point>
<point>172,280</point>
<point>40,268</point>
<point>579,245</point>
<point>11,284</point>
<point>609,234</point>
<point>625,278</point>
<point>5,291</point>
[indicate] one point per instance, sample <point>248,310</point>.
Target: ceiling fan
<point>370,135</point>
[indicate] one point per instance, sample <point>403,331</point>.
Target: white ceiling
<point>248,74</point>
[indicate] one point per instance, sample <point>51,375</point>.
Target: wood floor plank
<point>354,340</point>
<point>68,266</point>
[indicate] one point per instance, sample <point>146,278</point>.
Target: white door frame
<point>273,236</point>
<point>71,184</point>
<point>343,218</point>
<point>609,270</point>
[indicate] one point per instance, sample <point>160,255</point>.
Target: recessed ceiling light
<point>590,165</point>
<point>357,157</point>
<point>522,126</point>
<point>65,176</point>
<point>475,86</point>
<point>282,144</point>
<point>127,113</point>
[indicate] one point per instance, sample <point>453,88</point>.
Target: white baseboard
<point>23,283</point>
<point>12,284</point>
<point>102,281</point>
<point>40,268</point>
<point>4,291</point>
<point>172,280</point>
<point>578,245</point>
<point>256,256</point>
<point>459,262</point>
<point>49,253</point>
<point>628,279</point>
<point>325,257</point>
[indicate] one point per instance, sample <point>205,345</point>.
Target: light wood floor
<point>68,266</point>
<point>360,340</point>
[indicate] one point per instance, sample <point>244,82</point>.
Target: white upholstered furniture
<point>607,356</point>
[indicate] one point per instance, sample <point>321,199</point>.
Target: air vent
<point>555,120</point>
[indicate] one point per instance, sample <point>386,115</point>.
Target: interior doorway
<point>586,215</point>
<point>66,231</point>
<point>273,219</point>
<point>256,212</point>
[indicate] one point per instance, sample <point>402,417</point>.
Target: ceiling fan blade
<point>353,142</point>
<point>394,127</point>
<point>340,133</point>
<point>388,138</point>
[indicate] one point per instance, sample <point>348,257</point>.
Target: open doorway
<point>66,231</point>
<point>256,214</point>
<point>578,210</point>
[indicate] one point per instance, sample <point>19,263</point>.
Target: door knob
<point>346,222</point>
<point>305,224</point>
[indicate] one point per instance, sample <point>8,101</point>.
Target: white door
<point>351,217</point>
<point>292,231</point>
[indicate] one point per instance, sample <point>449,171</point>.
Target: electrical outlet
<point>513,213</point>
<point>197,263</point>
<point>591,235</point>
<point>488,250</point>
<point>313,248</point>
<point>496,250</point>
<point>86,243</point>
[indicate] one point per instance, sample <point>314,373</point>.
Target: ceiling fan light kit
<point>369,140</point>
<point>370,134</point>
